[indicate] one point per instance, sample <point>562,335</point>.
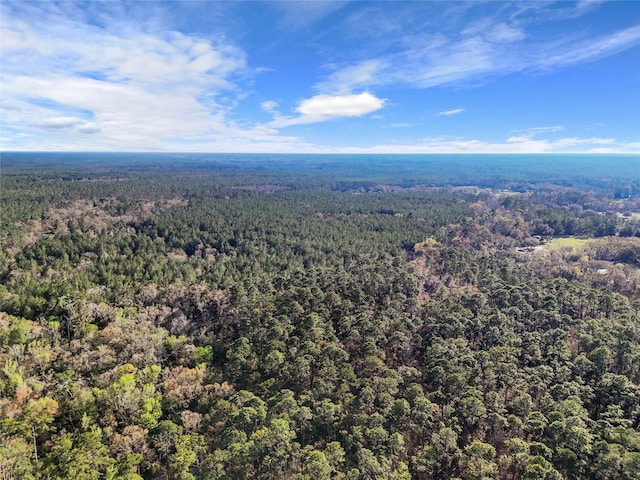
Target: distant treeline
<point>612,175</point>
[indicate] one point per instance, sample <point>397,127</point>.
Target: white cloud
<point>527,143</point>
<point>451,112</point>
<point>340,105</point>
<point>518,139</point>
<point>88,127</point>
<point>59,122</point>
<point>326,107</point>
<point>482,49</point>
<point>400,125</point>
<point>570,142</point>
<point>131,86</point>
<point>75,123</point>
<point>424,66</point>
<point>127,113</point>
<point>346,79</point>
<point>586,50</point>
<point>583,6</point>
<point>502,33</point>
<point>552,10</point>
<point>536,130</point>
<point>269,106</point>
<point>512,145</point>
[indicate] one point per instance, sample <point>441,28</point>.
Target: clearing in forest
<point>575,243</point>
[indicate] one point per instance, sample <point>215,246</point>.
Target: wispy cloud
<point>400,125</point>
<point>59,122</point>
<point>584,50</point>
<point>346,79</point>
<point>529,139</point>
<point>485,48</point>
<point>503,33</point>
<point>552,10</point>
<point>512,145</point>
<point>537,130</point>
<point>75,124</point>
<point>136,86</point>
<point>447,113</point>
<point>560,143</point>
<point>583,6</point>
<point>269,106</point>
<point>300,14</point>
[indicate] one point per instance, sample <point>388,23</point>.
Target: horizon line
<point>188,152</point>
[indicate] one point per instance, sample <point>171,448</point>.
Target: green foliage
<point>236,323</point>
<point>203,354</point>
<point>82,458</point>
<point>17,459</point>
<point>151,412</point>
<point>125,468</point>
<point>11,379</point>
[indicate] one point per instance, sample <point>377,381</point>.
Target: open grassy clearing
<point>568,242</point>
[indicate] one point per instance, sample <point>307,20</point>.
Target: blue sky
<point>334,77</point>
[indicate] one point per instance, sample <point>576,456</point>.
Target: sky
<point>320,77</point>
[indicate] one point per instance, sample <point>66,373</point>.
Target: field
<point>574,243</point>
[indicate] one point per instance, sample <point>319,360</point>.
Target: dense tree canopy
<point>192,322</point>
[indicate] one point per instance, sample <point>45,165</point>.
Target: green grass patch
<point>574,243</point>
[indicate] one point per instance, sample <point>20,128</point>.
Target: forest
<point>175,316</point>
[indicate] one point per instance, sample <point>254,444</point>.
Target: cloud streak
<point>585,50</point>
<point>512,145</point>
<point>537,130</point>
<point>448,113</point>
<point>487,48</point>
